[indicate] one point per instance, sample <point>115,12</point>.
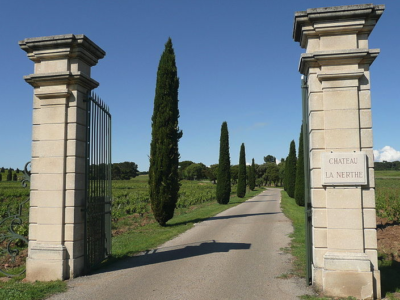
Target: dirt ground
<point>388,238</point>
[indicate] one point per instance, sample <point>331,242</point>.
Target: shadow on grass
<point>197,220</point>
<point>390,274</point>
<point>166,254</point>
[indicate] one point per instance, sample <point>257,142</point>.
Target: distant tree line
<point>387,165</point>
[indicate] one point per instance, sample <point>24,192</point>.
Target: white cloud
<point>387,153</point>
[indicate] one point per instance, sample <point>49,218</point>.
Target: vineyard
<point>388,195</point>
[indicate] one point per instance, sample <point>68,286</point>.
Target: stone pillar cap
<point>62,46</point>
<point>305,20</point>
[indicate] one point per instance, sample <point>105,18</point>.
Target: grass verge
<point>152,235</point>
<point>297,247</point>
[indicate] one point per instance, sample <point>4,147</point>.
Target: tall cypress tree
<point>9,175</point>
<point>241,186</point>
<point>164,155</point>
<point>252,176</point>
<point>299,189</point>
<point>224,167</point>
<point>291,170</point>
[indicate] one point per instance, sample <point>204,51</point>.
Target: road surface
<point>234,255</point>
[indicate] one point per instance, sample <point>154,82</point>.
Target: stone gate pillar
<point>337,67</point>
<point>61,81</point>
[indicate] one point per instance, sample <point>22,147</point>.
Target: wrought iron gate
<point>307,196</point>
<point>98,182</point>
<point>14,224</point>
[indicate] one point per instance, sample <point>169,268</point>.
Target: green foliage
<point>9,175</point>
<point>124,171</point>
<point>1,177</point>
<point>234,173</point>
<point>195,172</point>
<point>299,187</point>
<point>224,167</point>
<point>271,175</point>
<point>252,176</point>
<point>212,173</point>
<point>269,159</point>
<point>290,171</point>
<point>241,188</point>
<point>387,165</point>
<point>164,155</point>
<point>281,167</point>
<point>182,167</point>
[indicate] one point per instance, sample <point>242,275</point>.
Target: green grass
<point>16,290</point>
<point>385,174</point>
<point>298,249</point>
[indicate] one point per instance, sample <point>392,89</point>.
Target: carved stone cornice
<point>62,46</point>
<point>61,78</point>
<point>336,57</point>
<point>359,18</point>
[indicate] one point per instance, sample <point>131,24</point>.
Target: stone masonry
<point>337,67</point>
<point>61,80</point>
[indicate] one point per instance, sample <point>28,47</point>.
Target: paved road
<point>234,255</point>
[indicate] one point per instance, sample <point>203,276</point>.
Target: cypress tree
<point>224,167</point>
<point>241,186</point>
<point>164,155</point>
<point>299,191</point>
<point>252,176</point>
<point>285,183</point>
<point>9,175</point>
<point>291,170</point>
<point>1,177</point>
<point>15,177</point>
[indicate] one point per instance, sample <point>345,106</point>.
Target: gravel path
<point>234,255</point>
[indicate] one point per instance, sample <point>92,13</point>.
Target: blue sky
<point>237,62</point>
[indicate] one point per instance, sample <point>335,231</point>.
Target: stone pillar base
<point>46,263</point>
<point>348,274</point>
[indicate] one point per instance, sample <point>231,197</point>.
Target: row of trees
<point>387,166</point>
<point>294,172</point>
<point>11,175</point>
<point>165,170</point>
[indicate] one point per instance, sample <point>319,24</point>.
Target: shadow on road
<point>221,218</point>
<point>161,255</point>
<point>252,201</point>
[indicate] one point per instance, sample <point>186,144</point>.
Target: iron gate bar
<point>307,187</point>
<point>98,182</point>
